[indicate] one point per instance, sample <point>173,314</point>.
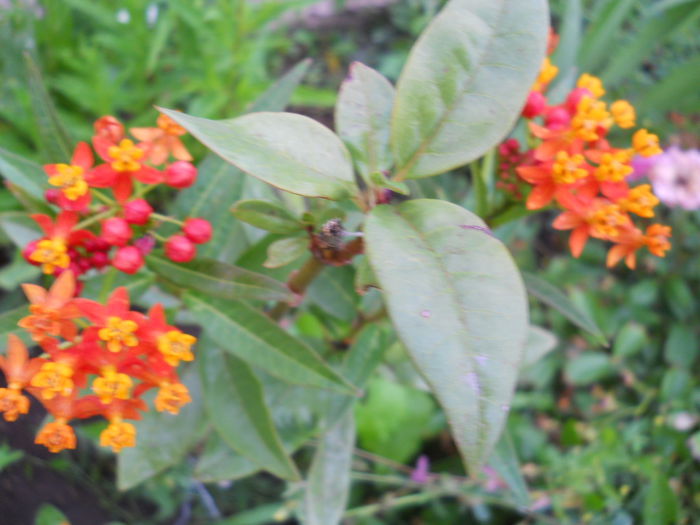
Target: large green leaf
<point>555,298</point>
<point>162,439</point>
<point>19,227</point>
<point>328,480</point>
<point>363,118</point>
<point>289,151</point>
<point>219,462</point>
<point>219,184</point>
<point>602,33</point>
<point>460,308</point>
<point>505,461</point>
<point>254,337</point>
<point>219,279</point>
<point>465,83</point>
<point>233,397</point>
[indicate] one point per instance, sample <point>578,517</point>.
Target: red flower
<point>71,178</point>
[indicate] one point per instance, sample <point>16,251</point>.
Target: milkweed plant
<point>255,244</point>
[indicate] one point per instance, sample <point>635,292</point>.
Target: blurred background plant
<point>605,423</point>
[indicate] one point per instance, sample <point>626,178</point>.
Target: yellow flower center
<point>169,126</point>
<point>171,397</point>
<point>624,114</point>
<point>118,333</point>
<point>13,403</point>
<point>567,169</point>
<point>56,436</point>
<point>645,143</point>
<point>70,179</point>
<point>112,385</point>
<point>607,220</point>
<point>54,379</point>
<point>590,115</point>
<point>51,254</point>
<point>176,346</point>
<point>126,156</point>
<point>640,200</point>
<point>614,167</point>
<point>118,435</point>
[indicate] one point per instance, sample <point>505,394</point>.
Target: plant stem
<point>363,320</point>
<point>95,218</point>
<point>393,503</point>
<point>165,218</point>
<point>298,282</point>
<point>101,196</point>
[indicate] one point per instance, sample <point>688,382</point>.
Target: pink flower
<point>676,178</point>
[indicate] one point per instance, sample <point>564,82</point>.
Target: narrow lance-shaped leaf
<point>465,83</point>
<point>266,216</point>
<point>277,96</point>
<point>553,297</point>
<point>233,397</point>
<point>328,481</point>
<point>258,340</point>
<point>55,142</point>
<point>363,118</point>
<point>219,462</point>
<point>220,279</point>
<point>24,173</point>
<point>291,152</point>
<point>460,308</point>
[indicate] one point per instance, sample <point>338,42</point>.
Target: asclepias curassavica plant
<point>327,260</point>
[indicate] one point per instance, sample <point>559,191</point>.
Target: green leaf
<point>539,343</point>
<point>465,82</point>
<point>8,325</point>
<point>50,515</point>
<point>505,461</point>
<point>569,36</point>
<point>681,346</point>
<point>233,397</point>
<point>602,33</point>
<point>554,298</point>
<point>162,439</point>
<point>266,216</point>
<point>55,141</point>
<point>285,251</point>
<point>364,276</point>
<point>277,96</point>
<point>24,173</point>
<point>219,279</point>
<point>334,291</point>
<point>19,227</point>
<point>291,152</point>
<point>363,118</point>
<point>660,503</point>
<point>629,58</point>
<point>135,284</point>
<point>630,340</point>
<point>258,340</point>
<point>328,481</point>
<point>219,462</point>
<point>460,308</point>
<point>589,367</point>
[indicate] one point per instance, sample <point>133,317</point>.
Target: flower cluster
<point>574,165</point>
<point>94,229</point>
<point>97,360</point>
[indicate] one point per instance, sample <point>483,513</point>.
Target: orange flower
<point>112,385</point>
<point>70,178</point>
<point>656,239</point>
<point>548,72</point>
<point>18,370</point>
<point>52,312</point>
<point>54,379</point>
<point>592,84</point>
<point>118,434</point>
<point>591,120</point>
<point>645,143</point>
<point>599,218</point>
<point>640,200</point>
<point>57,436</point>
<point>624,114</point>
<point>176,346</point>
<point>51,252</point>
<point>172,396</point>
<point>163,140</point>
